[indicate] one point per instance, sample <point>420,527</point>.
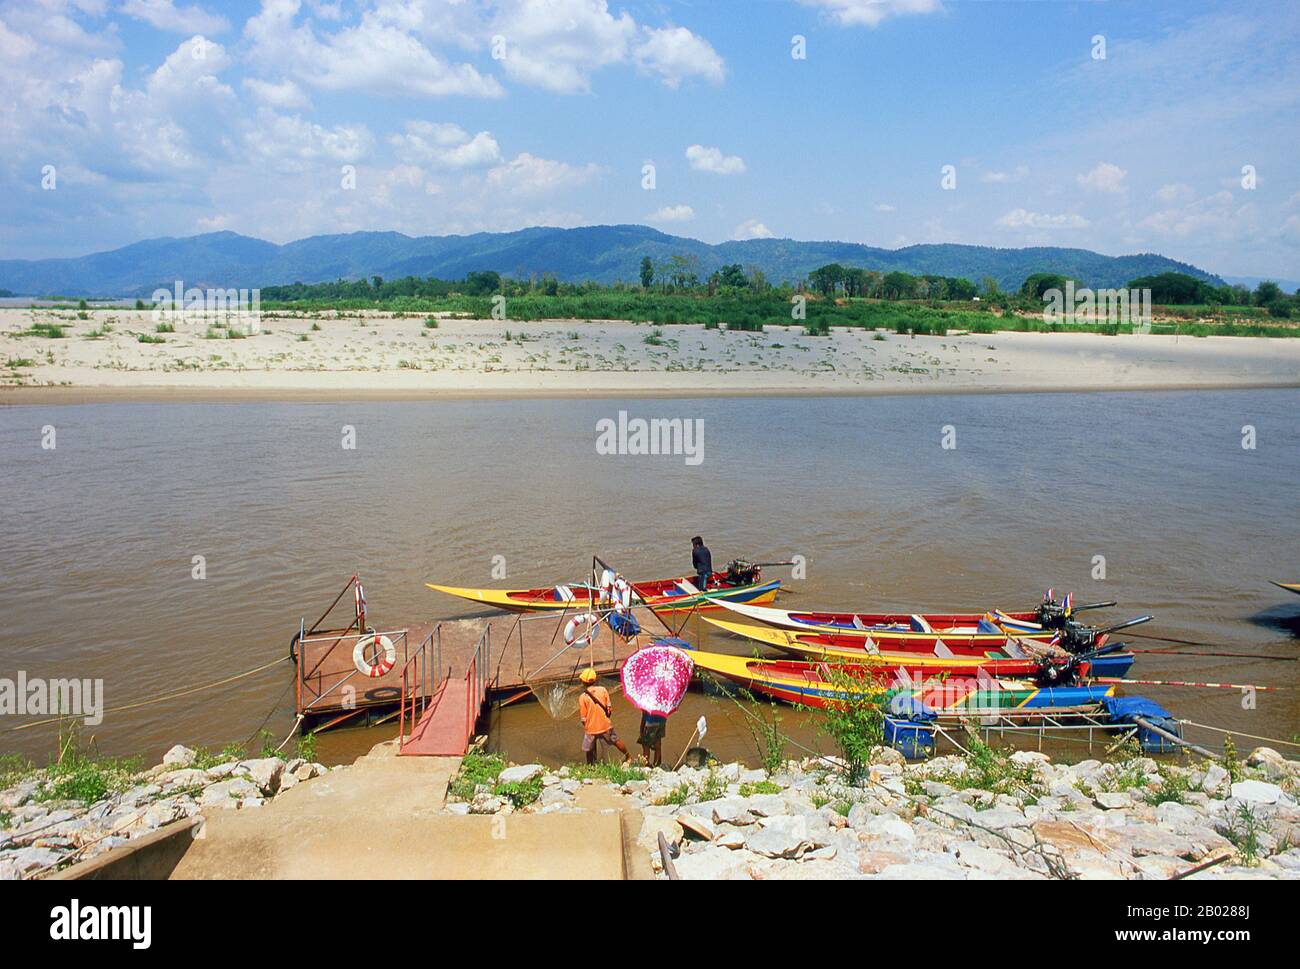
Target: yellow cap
<point>588,675</point>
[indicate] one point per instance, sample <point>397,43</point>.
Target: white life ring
<point>622,596</point>
<point>384,665</point>
<point>588,634</point>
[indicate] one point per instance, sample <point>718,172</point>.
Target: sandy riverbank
<point>381,356</point>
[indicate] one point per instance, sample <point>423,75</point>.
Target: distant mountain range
<point>604,253</point>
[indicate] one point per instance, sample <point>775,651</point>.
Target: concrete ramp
<point>382,819</point>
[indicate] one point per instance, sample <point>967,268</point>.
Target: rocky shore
<point>1017,816</point>
<point>40,833</point>
<point>988,814</point>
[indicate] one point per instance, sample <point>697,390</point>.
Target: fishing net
<point>559,698</point>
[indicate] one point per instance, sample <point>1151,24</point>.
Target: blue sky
<point>170,117</point>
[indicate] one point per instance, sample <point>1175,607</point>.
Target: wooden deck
<point>520,651</point>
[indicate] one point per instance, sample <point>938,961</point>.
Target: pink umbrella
<point>656,678</point>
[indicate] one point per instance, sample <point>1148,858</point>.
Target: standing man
<point>651,738</point>
<point>702,561</point>
<point>597,717</point>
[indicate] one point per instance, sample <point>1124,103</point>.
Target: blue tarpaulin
<point>673,641</point>
<point>625,626</point>
<point>1125,708</point>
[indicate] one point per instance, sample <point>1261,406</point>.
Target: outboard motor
<point>742,572</point>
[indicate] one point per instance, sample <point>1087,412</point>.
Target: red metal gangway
<point>451,710</point>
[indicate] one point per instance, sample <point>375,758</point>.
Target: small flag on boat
<point>1069,602</point>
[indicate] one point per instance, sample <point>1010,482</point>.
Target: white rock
<point>179,756</point>
<point>1000,818</point>
<point>781,836</point>
<point>731,839</point>
<point>731,811</point>
<point>886,826</point>
<point>1215,779</point>
<point>521,774</point>
<point>1114,800</point>
<point>1256,792</point>
<point>266,772</point>
<point>226,793</point>
<point>652,826</point>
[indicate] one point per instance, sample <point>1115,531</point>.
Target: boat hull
<point>873,623</point>
<point>663,595</point>
<point>812,685</point>
<point>913,650</point>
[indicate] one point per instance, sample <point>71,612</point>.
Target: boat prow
<point>1289,586</point>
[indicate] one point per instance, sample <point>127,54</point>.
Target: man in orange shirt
<point>595,710</point>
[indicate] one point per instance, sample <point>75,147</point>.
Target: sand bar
<point>381,356</point>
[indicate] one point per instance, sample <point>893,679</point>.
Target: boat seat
<point>871,647</point>
<point>858,623</point>
<point>941,650</point>
<point>919,625</point>
<point>688,587</point>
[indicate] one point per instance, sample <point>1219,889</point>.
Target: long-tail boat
<point>993,623</point>
<point>1289,586</point>
<point>819,684</point>
<point>664,595</point>
<point>978,648</point>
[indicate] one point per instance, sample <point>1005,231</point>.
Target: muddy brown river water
<point>99,534</point>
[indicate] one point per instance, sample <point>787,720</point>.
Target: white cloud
<point>885,207</point>
<point>288,142</point>
<point>1105,177</point>
<point>1024,219</point>
<point>1174,192</point>
<point>704,159</point>
<point>999,178</point>
<point>674,54</point>
<point>869,13</point>
<point>527,174</point>
<point>165,15</point>
<point>672,213</point>
<point>446,145</point>
<point>375,55</point>
<point>751,229</point>
<point>1220,217</point>
<point>559,44</point>
<point>277,94</point>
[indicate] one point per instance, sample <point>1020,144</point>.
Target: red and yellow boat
<point>993,622</point>
<point>663,595</point>
<point>820,684</point>
<point>929,648</point>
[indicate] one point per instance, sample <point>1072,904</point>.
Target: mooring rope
<point>1238,733</point>
<point>159,699</point>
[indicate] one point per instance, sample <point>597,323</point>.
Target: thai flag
<point>1069,602</point>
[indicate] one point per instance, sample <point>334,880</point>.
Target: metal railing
<point>335,640</point>
<point>477,677</point>
<point>420,685</point>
